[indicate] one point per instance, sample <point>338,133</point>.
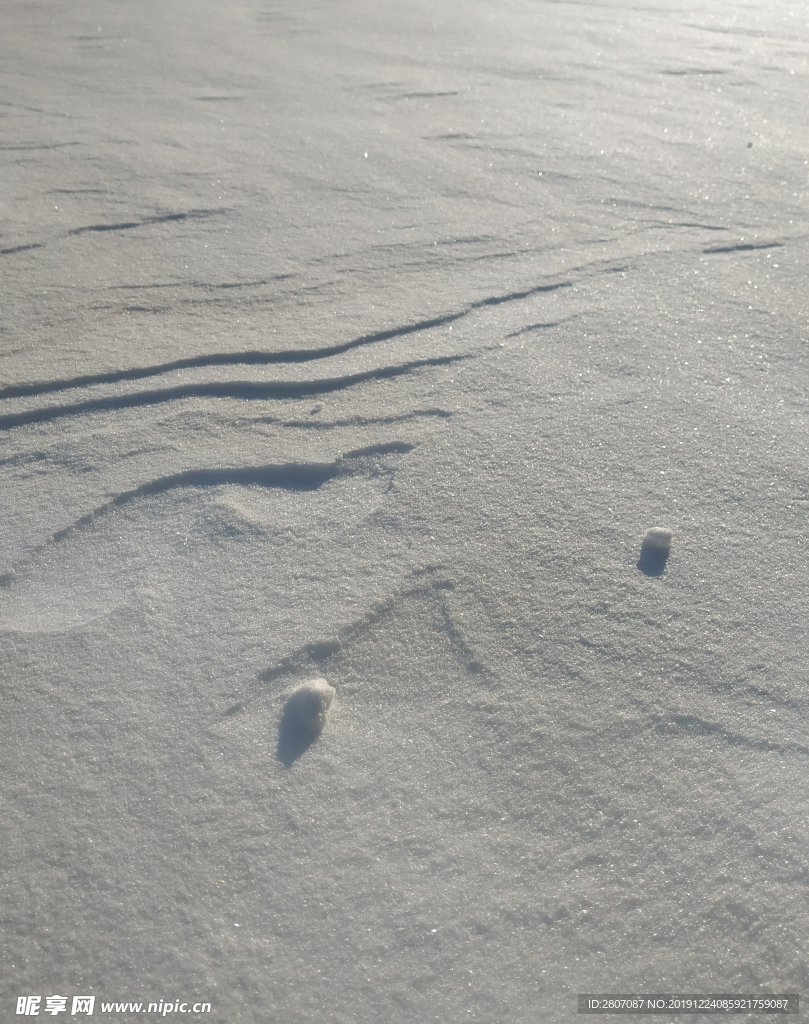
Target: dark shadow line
<point>385,448</point>
<point>256,358</point>
<point>355,421</point>
<point>245,390</point>
<point>21,106</point>
<point>532,327</point>
<point>54,145</point>
<point>123,226</point>
<point>452,136</point>
<point>24,458</point>
<point>692,725</point>
<point>164,219</point>
<point>290,476</point>
<point>752,32</point>
<point>21,248</point>
<point>253,358</point>
<point>745,248</point>
<point>497,300</point>
<point>689,224</point>
<point>106,227</point>
<point>207,285</point>
<point>421,95</point>
<point>314,654</point>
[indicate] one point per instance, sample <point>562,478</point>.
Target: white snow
<point>365,343</point>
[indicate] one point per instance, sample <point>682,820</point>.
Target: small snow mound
<point>307,706</point>
<point>655,550</point>
<point>303,719</point>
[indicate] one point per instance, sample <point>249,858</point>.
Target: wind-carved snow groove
<point>257,358</point>
<point>21,248</point>
<point>533,327</point>
<point>123,226</point>
<point>451,137</point>
<point>352,421</point>
<point>244,390</point>
<point>694,71</point>
<point>205,285</point>
<point>745,248</point>
<point>43,145</point>
<point>314,656</point>
<point>687,224</point>
<point>690,725</point>
<point>290,476</point>
<point>128,225</point>
<point>422,95</point>
<point>497,300</point>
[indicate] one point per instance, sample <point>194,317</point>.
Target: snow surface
<point>366,341</point>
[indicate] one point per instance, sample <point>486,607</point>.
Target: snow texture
<point>364,342</point>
